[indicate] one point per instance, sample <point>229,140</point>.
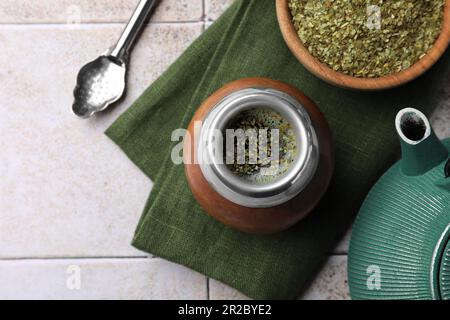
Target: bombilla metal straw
<point>134,26</point>
<point>102,82</point>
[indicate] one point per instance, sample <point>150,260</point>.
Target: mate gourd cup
<point>267,207</point>
<point>327,74</point>
<point>400,244</point>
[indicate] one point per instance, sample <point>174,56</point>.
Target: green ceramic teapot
<point>400,244</point>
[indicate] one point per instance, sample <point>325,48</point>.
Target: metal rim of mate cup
<point>248,193</point>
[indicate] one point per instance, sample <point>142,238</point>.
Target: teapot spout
<point>421,148</point>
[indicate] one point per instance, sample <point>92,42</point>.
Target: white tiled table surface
<point>69,198</point>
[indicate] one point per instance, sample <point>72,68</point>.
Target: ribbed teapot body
<point>399,236</point>
<point>399,247</point>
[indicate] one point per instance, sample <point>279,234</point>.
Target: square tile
<point>214,8</point>
<point>331,283</point>
<point>87,11</point>
<point>440,119</point>
<point>66,189</point>
<point>122,279</point>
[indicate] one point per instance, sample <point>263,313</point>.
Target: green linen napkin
<point>246,42</point>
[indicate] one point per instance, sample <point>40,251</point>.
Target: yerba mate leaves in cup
<point>260,145</point>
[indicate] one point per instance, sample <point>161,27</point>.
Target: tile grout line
<point>150,257</point>
<point>204,18</point>
<point>92,23</point>
<point>75,258</point>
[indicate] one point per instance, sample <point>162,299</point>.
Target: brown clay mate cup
<point>247,206</point>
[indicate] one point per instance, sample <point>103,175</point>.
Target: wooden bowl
<point>342,80</point>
